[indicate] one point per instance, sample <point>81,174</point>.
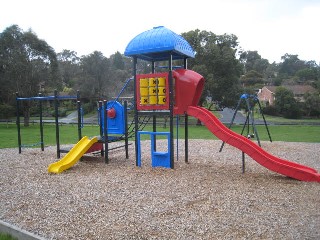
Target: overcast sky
<point>271,27</point>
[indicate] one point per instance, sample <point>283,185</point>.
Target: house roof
<point>158,44</point>
<point>296,89</point>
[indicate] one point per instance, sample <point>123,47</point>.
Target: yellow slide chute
<point>73,156</point>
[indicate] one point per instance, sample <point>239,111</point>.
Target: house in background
<point>267,93</point>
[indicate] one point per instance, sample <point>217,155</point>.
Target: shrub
<point>270,110</point>
<point>6,111</point>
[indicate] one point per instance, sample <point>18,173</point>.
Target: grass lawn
<point>275,119</point>
<point>5,236</point>
<point>69,133</point>
<point>287,133</point>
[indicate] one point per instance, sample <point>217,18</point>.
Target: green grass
<point>30,136</point>
<point>69,133</point>
<point>287,133</point>
<point>5,236</point>
<point>275,119</point>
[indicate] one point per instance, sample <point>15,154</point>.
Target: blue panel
<point>161,160</point>
<point>157,44</point>
<point>139,150</point>
<point>158,159</point>
<point>115,125</point>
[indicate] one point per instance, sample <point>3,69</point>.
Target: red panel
<point>95,147</point>
<point>148,106</point>
<point>188,90</point>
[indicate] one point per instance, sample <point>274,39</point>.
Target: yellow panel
<point>153,100</point>
<point>152,82</point>
<point>152,91</point>
<point>161,82</point>
<point>161,91</point>
<point>162,100</point>
<point>144,82</point>
<point>143,91</point>
<point>144,101</point>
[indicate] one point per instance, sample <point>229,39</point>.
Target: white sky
<point>271,27</point>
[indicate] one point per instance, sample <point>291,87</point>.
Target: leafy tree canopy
<point>216,61</point>
<point>27,63</point>
<point>286,104</point>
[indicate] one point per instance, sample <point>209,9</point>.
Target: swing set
<point>250,102</point>
<point>56,99</point>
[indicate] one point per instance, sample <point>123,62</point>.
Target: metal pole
<point>41,124</point>
<point>105,131</point>
<point>80,123</point>
<point>248,126</point>
<point>18,122</point>
<point>154,129</point>
<point>100,117</point>
<point>185,63</point>
<point>100,111</point>
<point>79,119</point>
<point>177,137</point>
<point>136,117</point>
<point>264,120</point>
<point>245,124</point>
<point>186,125</point>
<point>253,124</point>
<point>186,136</point>
<point>56,110</point>
<point>126,140</point>
<point>154,117</point>
<point>171,112</point>
<point>243,163</point>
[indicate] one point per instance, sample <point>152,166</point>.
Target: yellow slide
<point>73,156</point>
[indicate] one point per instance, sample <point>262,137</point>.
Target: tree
<point>309,72</point>
<point>290,65</point>
<point>94,81</point>
<point>69,66</point>
<point>271,73</point>
<point>216,61</point>
<point>286,104</point>
<point>306,74</point>
<point>312,104</point>
<point>261,66</point>
<point>117,61</point>
<point>26,64</point>
<point>248,59</point>
<point>251,78</point>
<point>252,61</point>
<point>120,72</point>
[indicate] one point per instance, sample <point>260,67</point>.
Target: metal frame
<point>56,100</point>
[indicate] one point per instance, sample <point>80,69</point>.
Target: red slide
<point>287,168</point>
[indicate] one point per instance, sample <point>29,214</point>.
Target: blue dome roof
<point>157,44</point>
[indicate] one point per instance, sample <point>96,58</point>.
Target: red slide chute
<point>273,163</point>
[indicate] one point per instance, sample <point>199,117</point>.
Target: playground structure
<point>175,93</point>
<point>56,99</point>
<point>182,93</point>
<point>111,115</point>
